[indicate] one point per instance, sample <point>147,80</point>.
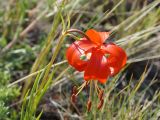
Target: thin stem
<point>83,85</point>
<point>44,52</point>
<point>73,36</point>
<point>35,73</point>
<point>78,31</point>
<point>95,85</point>
<point>90,92</point>
<point>58,46</point>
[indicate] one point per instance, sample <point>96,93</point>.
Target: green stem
<point>45,51</point>
<point>35,73</point>
<point>39,60</point>
<point>58,46</point>
<point>78,31</point>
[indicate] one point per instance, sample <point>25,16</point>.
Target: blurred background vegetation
<point>29,33</point>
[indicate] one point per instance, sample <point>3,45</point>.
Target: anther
<point>89,103</point>
<point>74,90</point>
<point>87,83</point>
<point>100,95</point>
<point>100,104</point>
<point>73,98</point>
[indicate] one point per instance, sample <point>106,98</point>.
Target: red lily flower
<point>97,59</point>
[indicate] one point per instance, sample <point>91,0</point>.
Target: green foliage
<point>126,103</point>
<point>3,110</point>
<point>6,95</point>
<point>135,30</point>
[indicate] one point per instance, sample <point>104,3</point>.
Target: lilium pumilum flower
<point>98,60</point>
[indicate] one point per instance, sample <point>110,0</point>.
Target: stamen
<point>89,104</point>
<point>73,98</point>
<point>99,92</point>
<point>87,83</point>
<point>100,104</point>
<point>98,88</point>
<point>90,92</point>
<point>81,88</point>
<point>74,90</point>
<point>95,85</point>
<point>100,95</point>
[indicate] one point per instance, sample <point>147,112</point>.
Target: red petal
<point>97,67</point>
<point>104,35</point>
<point>75,51</point>
<point>117,58</point>
<point>97,37</point>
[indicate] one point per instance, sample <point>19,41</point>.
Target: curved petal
<point>75,51</point>
<point>97,37</point>
<point>117,58</point>
<point>97,67</point>
<point>114,65</point>
<point>104,35</point>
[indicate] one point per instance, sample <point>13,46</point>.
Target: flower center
<point>107,55</point>
<point>85,57</point>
